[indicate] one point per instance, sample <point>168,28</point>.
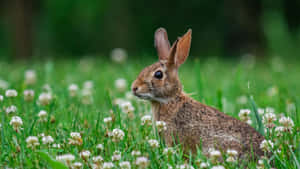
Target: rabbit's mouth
<point>145,96</point>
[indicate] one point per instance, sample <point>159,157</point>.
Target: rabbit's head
<point>159,81</point>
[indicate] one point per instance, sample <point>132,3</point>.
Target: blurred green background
<point>76,28</point>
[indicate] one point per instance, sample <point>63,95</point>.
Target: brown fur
<point>189,122</point>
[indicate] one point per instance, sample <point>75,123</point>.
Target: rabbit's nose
<point>134,89</point>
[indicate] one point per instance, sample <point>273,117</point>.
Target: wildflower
<point>75,138</point>
<point>204,165</point>
<point>47,88</point>
<point>117,135</point>
<point>146,120</point>
<point>116,156</point>
<point>86,96</point>
<point>85,154</point>
<point>266,145</point>
<point>56,146</point>
<point>232,153</point>
<point>47,139</point>
<point>43,115</point>
<point>45,98</point>
<point>30,77</point>
<point>118,55</point>
<point>28,95</point>
<point>168,151</point>
<point>153,143</point>
<point>218,167</point>
<point>32,141</point>
<point>66,158</point>
<point>108,165</point>
<point>135,153</point>
<point>279,131</point>
<point>125,165</point>
<point>161,126</point>
<point>73,88</point>
<point>1,98</point>
<point>268,120</point>
<point>11,109</point>
<point>107,120</point>
<point>121,84</point>
<point>129,95</point>
<point>77,165</point>
<point>16,122</point>
<point>142,162</point>
<point>261,111</point>
<point>127,107</point>
<point>244,115</point>
<point>184,166</point>
<point>100,147</point>
<point>88,85</point>
<point>287,123</point>
<point>214,155</point>
<point>97,160</point>
<point>118,101</point>
<point>3,84</point>
<point>11,93</point>
<point>270,110</point>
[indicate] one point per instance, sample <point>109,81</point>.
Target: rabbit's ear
<point>183,48</point>
<point>162,43</point>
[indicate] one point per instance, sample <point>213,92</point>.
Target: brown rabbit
<point>189,122</point>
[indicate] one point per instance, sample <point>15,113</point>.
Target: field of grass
<point>83,135</point>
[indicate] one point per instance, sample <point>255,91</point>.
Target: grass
<point>226,85</point>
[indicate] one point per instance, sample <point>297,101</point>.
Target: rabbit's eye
<point>158,74</point>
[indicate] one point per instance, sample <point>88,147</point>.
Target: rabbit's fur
<point>189,122</point>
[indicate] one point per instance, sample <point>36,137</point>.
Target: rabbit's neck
<point>163,111</point>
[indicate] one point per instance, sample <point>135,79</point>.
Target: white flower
<point>121,84</point>
<point>43,115</point>
<point>11,93</point>
<point>85,154</point>
<point>125,165</point>
<point>168,151</point>
<point>129,95</point>
<point>116,156</point>
<point>56,146</point>
<point>45,98</point>
<point>117,135</point>
<point>218,167</point>
<point>108,165</point>
<point>1,98</point>
<point>232,153</point>
<point>231,159</point>
<point>214,154</point>
<point>75,138</point>
<point>11,109</point>
<point>16,122</point>
<point>266,145</point>
<point>32,141</point>
<point>204,165</point>
<point>30,77</point>
<point>3,84</point>
<point>107,120</point>
<point>268,119</point>
<point>97,159</point>
<point>244,115</point>
<point>184,166</point>
<point>270,110</point>
<point>73,89</point>
<point>28,95</point>
<point>67,158</point>
<point>142,162</point>
<point>86,96</point>
<point>127,107</point>
<point>88,84</point>
<point>261,111</point>
<point>279,130</point>
<point>100,147</point>
<point>77,165</point>
<point>118,55</point>
<point>47,140</point>
<point>146,120</point>
<point>286,122</point>
<point>135,153</point>
<point>161,126</point>
<point>153,143</point>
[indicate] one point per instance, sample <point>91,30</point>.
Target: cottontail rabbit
<point>189,122</point>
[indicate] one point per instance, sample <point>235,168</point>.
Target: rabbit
<point>189,122</point>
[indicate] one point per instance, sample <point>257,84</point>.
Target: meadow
<point>81,114</point>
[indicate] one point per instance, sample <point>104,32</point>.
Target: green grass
<point>219,83</point>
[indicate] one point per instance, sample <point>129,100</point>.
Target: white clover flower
<point>266,145</point>
<point>161,126</point>
<point>214,154</point>
<point>218,167</point>
<point>11,93</point>
<point>117,135</point>
<point>116,156</point>
<point>56,146</point>
<point>119,101</point>
<point>286,122</point>
<point>11,109</point>
<point>146,120</point>
<point>261,111</point>
<point>3,84</point>
<point>85,154</point>
<point>135,153</point>
<point>108,165</point>
<point>268,119</point>
<point>129,95</point>
<point>86,96</point>
<point>279,130</point>
<point>77,165</point>
<point>270,110</point>
<point>127,107</point>
<point>1,98</point>
<point>121,84</point>
<point>184,166</point>
<point>244,115</point>
<point>47,139</point>
<point>28,95</point>
<point>43,115</point>
<point>88,85</point>
<point>168,151</point>
<point>153,143</point>
<point>66,158</point>
<point>107,120</point>
<point>142,162</point>
<point>100,147</point>
<point>45,98</point>
<point>73,89</point>
<point>32,141</point>
<point>125,165</point>
<point>231,159</point>
<point>47,88</point>
<point>118,55</point>
<point>97,159</point>
<point>75,138</point>
<point>16,122</point>
<point>231,152</point>
<point>30,77</point>
<point>204,165</point>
